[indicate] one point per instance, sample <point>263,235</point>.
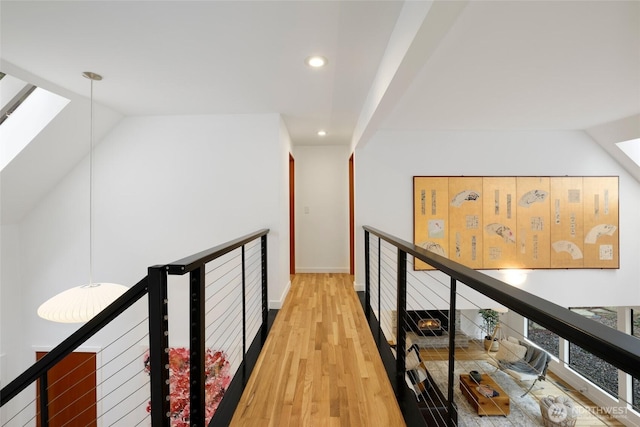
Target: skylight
<point>25,111</point>
<point>631,148</point>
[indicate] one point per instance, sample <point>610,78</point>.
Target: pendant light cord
<point>93,77</point>
<point>91,189</point>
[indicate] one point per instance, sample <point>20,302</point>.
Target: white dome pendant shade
<point>80,304</point>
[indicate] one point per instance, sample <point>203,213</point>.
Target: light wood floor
<point>320,365</point>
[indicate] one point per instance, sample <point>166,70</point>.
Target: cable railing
<point>457,364</point>
<point>143,376</point>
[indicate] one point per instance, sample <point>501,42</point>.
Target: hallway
<point>322,367</point>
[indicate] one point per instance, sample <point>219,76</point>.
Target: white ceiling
<point>530,65</point>
<point>208,57</point>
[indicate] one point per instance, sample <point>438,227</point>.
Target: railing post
<point>367,277</point>
<point>244,307</point>
<point>401,311</point>
<point>158,346</point>
<point>452,351</point>
<point>265,299</point>
<point>197,367</point>
<point>44,400</point>
<point>379,284</point>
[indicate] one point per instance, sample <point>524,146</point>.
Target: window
<point>543,338</point>
<point>24,111</point>
<point>596,370</point>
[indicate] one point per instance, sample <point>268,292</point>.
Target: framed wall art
<point>518,222</point>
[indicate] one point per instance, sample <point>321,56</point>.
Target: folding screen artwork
<point>518,222</point>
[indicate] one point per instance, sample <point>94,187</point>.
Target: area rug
<point>524,411</point>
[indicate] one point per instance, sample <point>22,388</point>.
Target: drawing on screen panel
<point>472,222</point>
<point>473,248</point>
<point>599,230</point>
<point>537,223</point>
<point>573,224</point>
<point>502,231</point>
<point>435,228</point>
<point>464,196</point>
<point>434,247</point>
<point>531,197</point>
<point>606,252</point>
<point>573,196</point>
<point>569,247</point>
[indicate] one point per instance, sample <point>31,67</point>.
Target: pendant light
<point>82,303</point>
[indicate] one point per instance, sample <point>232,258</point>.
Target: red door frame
<point>351,216</point>
<point>292,219</point>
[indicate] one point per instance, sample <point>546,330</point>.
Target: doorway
<point>352,237</point>
<point>292,219</point>
<point>71,385</point>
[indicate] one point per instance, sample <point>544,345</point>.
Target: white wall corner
<point>358,287</point>
<point>277,304</point>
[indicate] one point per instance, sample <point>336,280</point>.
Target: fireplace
<point>428,322</point>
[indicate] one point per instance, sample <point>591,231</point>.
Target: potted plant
<point>490,319</point>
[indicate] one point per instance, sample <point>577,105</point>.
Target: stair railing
<point>248,263</point>
<point>386,291</point>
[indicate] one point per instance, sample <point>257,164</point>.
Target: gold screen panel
<point>518,222</point>
<point>567,222</point>
<point>601,243</point>
<point>465,220</point>
<point>499,207</point>
<point>431,213</point>
<point>533,233</point>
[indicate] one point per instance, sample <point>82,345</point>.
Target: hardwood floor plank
<point>319,365</point>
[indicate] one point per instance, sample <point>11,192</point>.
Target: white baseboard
<point>359,287</point>
<point>277,304</point>
<point>323,270</point>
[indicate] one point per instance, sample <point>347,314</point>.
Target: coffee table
<point>483,405</point>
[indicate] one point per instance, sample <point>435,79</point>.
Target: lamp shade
<point>81,303</point>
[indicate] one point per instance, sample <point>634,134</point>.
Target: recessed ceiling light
<point>316,61</point>
<point>322,133</point>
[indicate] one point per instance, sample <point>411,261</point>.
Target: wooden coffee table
<point>498,405</point>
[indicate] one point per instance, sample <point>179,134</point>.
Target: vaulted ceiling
<point>446,65</point>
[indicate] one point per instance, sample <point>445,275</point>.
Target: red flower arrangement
<point>217,380</point>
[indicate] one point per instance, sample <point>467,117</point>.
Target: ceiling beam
<point>416,35</point>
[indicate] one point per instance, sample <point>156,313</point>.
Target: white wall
<point>384,191</point>
<point>322,209</point>
<point>10,296</point>
<point>164,188</point>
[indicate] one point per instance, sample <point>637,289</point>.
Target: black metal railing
<point>246,262</point>
<point>387,289</point>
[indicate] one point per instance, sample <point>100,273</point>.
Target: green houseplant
<point>490,319</point>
